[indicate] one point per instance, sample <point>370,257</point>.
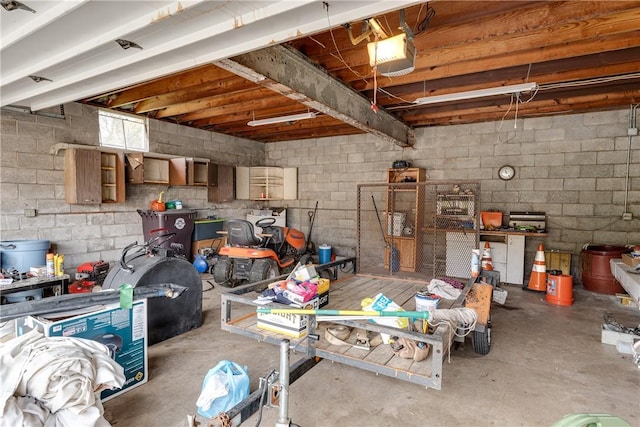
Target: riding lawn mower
<point>250,258</point>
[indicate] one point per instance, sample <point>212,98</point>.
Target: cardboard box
<point>123,331</point>
<point>212,244</point>
<point>323,299</point>
<point>293,325</point>
<point>630,261</point>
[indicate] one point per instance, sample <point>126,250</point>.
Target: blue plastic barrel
<point>324,254</point>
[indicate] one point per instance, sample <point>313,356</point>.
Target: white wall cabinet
<point>266,183</point>
<point>507,253</point>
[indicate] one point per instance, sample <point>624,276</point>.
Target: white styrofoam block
<point>612,337</point>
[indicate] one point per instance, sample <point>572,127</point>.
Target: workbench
<point>239,316</point>
<point>56,284</point>
<point>628,280</point>
<point>507,252</point>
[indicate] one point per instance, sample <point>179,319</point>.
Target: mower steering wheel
<point>265,222</point>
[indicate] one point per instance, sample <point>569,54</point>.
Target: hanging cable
<point>339,55</point>
<point>424,24</point>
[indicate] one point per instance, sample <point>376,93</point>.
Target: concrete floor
<point>546,361</point>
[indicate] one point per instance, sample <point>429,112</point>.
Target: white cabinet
<point>266,183</point>
<point>507,253</point>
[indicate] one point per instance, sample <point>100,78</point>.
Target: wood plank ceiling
<point>583,55</point>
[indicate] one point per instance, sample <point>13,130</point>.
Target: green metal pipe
<point>362,313</point>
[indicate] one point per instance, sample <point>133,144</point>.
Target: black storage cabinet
<point>178,221</point>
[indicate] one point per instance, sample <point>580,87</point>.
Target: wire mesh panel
<point>418,230</point>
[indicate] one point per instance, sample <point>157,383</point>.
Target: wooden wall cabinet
<point>92,177</point>
<point>220,183</point>
<point>112,177</point>
<point>198,172</point>
<point>143,169</point>
<point>404,216</point>
<point>266,183</point>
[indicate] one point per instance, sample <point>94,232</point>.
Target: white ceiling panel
<point>78,53</point>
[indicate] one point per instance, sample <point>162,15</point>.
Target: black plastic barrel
<point>596,270</point>
<point>166,317</point>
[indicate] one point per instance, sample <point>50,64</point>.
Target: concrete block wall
<point>32,177</point>
<point>572,167</point>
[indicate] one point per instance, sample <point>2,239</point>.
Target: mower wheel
<point>222,270</point>
<point>263,269</point>
<point>482,340</point>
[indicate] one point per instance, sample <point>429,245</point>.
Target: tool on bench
<point>89,277</point>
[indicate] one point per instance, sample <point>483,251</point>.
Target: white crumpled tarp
<point>55,381</point>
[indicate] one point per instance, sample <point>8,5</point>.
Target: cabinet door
<point>82,177</point>
<point>220,183</point>
<point>178,171</point>
<point>135,168</point>
<point>515,260</point>
<point>290,183</point>
<point>242,182</point>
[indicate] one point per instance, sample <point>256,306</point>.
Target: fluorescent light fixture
<point>394,56</point>
<point>282,119</point>
<point>481,93</point>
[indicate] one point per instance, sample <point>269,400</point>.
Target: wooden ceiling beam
<point>245,108</point>
<point>338,128</point>
<point>448,65</point>
<point>210,103</point>
<point>241,126</point>
<point>554,24</point>
<point>478,111</point>
<point>165,85</point>
<point>506,77</point>
<point>286,71</point>
<point>193,93</point>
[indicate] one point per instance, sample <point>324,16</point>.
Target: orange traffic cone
<point>487,261</point>
<point>538,279</point>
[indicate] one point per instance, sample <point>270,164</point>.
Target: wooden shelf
<point>406,204</point>
<point>266,183</point>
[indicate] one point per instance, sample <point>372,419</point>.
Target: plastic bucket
<point>559,288</point>
<point>324,254</point>
<point>596,270</point>
<point>427,303</point>
<point>21,255</point>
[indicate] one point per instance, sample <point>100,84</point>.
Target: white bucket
<point>427,303</point>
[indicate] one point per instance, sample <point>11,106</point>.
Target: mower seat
<point>240,233</point>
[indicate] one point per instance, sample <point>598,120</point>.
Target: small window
<point>124,131</point>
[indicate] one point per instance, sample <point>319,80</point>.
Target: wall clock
<point>506,172</point>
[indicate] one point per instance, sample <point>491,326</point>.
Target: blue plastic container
<point>324,254</point>
<point>21,255</point>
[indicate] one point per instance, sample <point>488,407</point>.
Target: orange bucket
<point>559,288</point>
